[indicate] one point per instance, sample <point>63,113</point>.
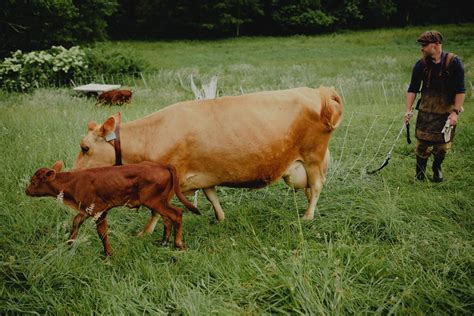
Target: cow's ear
<point>91,125</point>
<point>50,175</point>
<point>107,127</point>
<point>58,166</point>
<point>118,117</point>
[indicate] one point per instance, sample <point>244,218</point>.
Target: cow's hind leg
<point>211,195</point>
<point>316,176</point>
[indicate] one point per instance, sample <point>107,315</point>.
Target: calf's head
<point>96,151</point>
<point>41,181</point>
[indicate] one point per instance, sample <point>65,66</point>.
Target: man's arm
<point>413,88</point>
<point>459,90</point>
<point>411,96</point>
<point>458,108</point>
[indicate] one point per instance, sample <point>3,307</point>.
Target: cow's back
<point>246,140</point>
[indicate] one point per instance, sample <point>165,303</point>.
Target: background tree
<point>39,24</point>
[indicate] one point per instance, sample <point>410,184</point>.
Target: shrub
<point>112,63</point>
<point>58,65</point>
<point>23,71</point>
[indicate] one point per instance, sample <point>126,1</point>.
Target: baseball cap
<point>430,37</point>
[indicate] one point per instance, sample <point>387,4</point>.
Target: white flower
<point>60,197</point>
<point>90,209</point>
<point>97,216</point>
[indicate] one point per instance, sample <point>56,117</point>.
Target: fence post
<point>144,82</point>
<point>384,93</point>
<point>342,93</point>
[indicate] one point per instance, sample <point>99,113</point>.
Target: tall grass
<point>381,244</point>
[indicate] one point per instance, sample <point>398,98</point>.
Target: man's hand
<point>407,117</point>
<point>453,118</point>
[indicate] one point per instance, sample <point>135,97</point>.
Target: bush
<point>24,71</point>
<point>112,63</point>
<point>58,65</point>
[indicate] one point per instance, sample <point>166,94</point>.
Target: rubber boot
<point>421,168</point>
<point>437,174</point>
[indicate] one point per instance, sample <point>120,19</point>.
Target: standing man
<point>442,98</point>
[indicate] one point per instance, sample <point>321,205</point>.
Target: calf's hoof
<point>69,242</point>
<point>181,247</point>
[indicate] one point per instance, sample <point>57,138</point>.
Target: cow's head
<point>95,150</point>
<point>39,184</point>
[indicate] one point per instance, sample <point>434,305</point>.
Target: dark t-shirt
<point>456,75</point>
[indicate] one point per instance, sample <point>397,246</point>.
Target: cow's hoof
<point>308,217</point>
<point>140,233</point>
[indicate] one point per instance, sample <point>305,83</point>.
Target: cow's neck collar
<point>114,139</point>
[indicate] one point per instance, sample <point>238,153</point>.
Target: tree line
<point>38,24</point>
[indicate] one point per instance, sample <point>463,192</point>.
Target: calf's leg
<point>175,216</point>
<point>171,215</point>
<point>102,226</point>
<point>166,230</point>
<point>76,224</point>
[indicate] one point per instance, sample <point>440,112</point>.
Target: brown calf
<point>115,97</point>
<point>92,192</point>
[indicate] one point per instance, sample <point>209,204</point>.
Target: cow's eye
<point>84,149</point>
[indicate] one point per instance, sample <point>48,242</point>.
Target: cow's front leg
<point>102,226</point>
<point>76,224</point>
<point>211,195</point>
<point>150,225</point>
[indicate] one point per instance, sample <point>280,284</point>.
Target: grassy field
<point>381,244</point>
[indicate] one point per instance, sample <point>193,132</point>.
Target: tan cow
<point>246,141</point>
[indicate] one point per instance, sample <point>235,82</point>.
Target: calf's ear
<point>50,175</point>
<point>107,127</point>
<point>58,166</point>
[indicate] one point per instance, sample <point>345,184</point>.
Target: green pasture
<point>380,244</point>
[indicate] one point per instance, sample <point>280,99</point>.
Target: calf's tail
<point>331,108</point>
<point>178,193</point>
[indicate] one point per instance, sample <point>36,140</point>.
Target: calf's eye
<point>84,149</point>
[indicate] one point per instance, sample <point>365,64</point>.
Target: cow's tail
<point>178,193</point>
<point>331,107</point>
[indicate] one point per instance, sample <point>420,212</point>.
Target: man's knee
<point>423,149</point>
<point>441,149</point>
